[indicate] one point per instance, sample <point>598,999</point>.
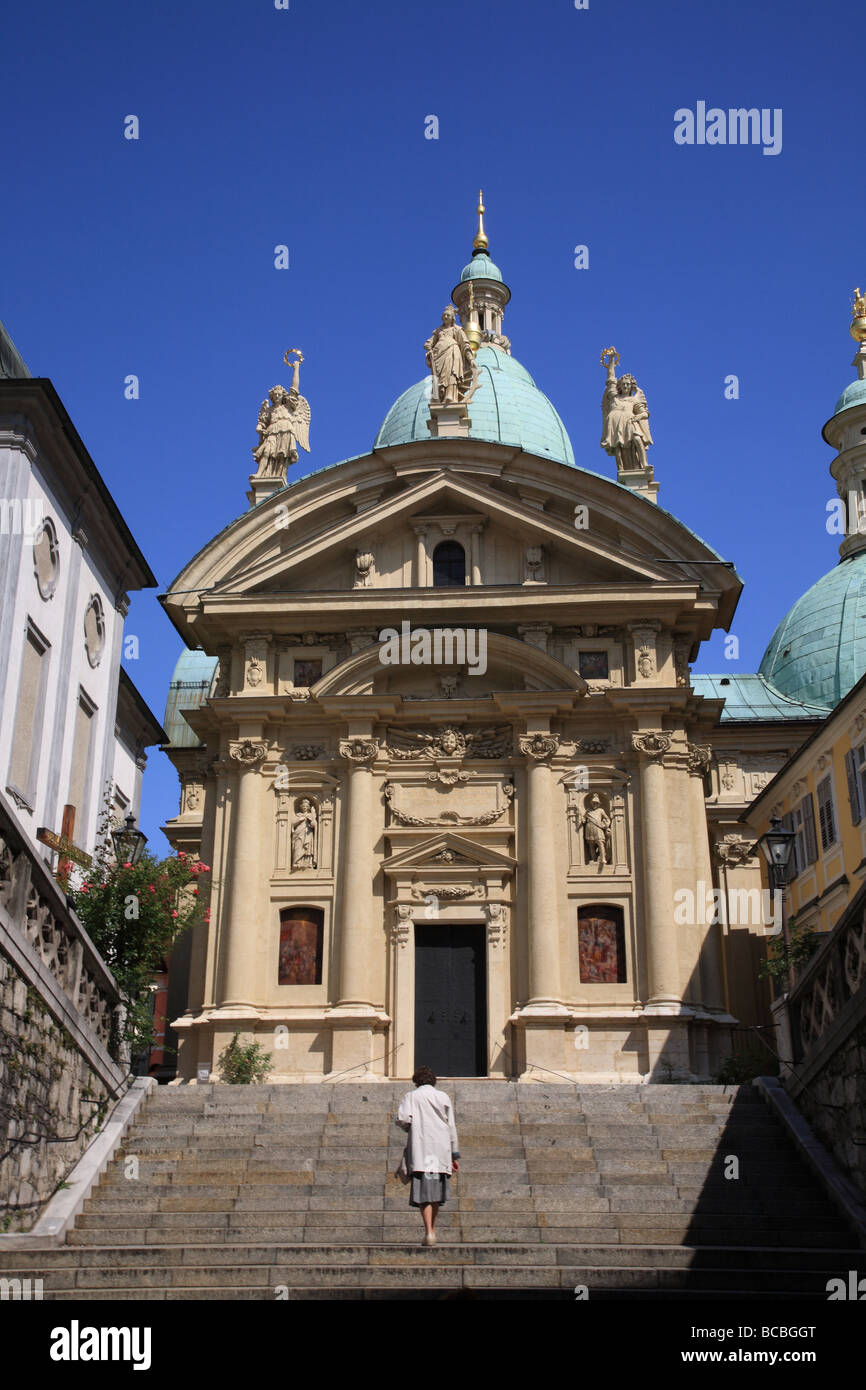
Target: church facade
<point>438,738</point>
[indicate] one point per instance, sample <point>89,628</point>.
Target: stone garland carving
<point>654,744</point>
<point>682,646</point>
<point>539,747</point>
<point>497,924</point>
<point>248,751</point>
<point>698,758</point>
<point>359,750</point>
<point>447,890</point>
<point>454,817</point>
<point>401,925</point>
<point>645,636</point>
<point>307,752</point>
<point>592,745</point>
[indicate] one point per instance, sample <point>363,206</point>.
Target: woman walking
<point>432,1151</point>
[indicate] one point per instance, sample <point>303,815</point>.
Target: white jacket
<point>428,1115</point>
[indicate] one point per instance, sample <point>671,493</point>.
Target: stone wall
<point>826,1028</point>
<point>51,1102</point>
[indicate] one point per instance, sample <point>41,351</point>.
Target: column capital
<point>360,752</point>
<point>653,744</point>
<point>539,747</point>
<point>698,758</point>
<point>248,752</point>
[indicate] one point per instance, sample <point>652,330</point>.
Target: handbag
<point>402,1169</point>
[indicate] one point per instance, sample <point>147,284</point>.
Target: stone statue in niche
<point>596,831</point>
<point>304,835</point>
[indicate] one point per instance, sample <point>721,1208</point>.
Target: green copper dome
<point>818,651</point>
<point>190,687</point>
<point>480,268</point>
<point>855,394</point>
<point>507,408</point>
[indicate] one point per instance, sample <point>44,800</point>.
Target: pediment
<point>302,543</point>
<point>447,852</point>
<point>509,665</point>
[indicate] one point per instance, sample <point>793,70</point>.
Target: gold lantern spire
<point>858,317</point>
<point>480,243</point>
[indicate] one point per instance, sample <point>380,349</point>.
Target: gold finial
<point>858,317</point>
<point>480,243</point>
<point>472,328</point>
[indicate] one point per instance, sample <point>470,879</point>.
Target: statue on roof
<point>450,358</point>
<point>283,424</point>
<point>625,430</point>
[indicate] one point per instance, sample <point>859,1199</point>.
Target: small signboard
<point>203,1073</point>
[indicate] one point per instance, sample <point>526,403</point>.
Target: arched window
<point>449,565</point>
<point>601,944</point>
<point>301,935</point>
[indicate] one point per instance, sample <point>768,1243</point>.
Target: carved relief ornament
<point>359,750</point>
<point>699,757</point>
<point>248,751</point>
<point>539,747</point>
<point>654,744</point>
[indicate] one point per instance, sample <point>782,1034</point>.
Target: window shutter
<point>809,827</point>
<point>787,823</point>
<point>826,818</point>
<point>853,788</point>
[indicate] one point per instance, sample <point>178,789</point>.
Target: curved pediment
<point>508,663</point>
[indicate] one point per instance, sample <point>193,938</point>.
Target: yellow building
<point>820,795</point>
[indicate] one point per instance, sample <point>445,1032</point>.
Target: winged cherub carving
<point>283,424</point>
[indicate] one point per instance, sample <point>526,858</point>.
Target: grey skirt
<point>428,1187</point>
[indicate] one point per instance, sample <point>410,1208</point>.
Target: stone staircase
<point>264,1192</point>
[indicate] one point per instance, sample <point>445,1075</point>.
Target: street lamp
<point>129,841</point>
<point>777,847</point>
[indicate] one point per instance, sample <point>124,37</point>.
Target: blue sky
<point>305,127</point>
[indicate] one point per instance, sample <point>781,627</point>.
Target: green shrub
<point>243,1064</point>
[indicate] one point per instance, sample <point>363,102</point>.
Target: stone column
<point>544,976</point>
<point>712,982</point>
<point>475,544</point>
<point>420,556</point>
<point>661,932</point>
<point>357,907</point>
<point>239,970</point>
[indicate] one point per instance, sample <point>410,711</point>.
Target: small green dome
<point>507,408</point>
<point>190,687</point>
<point>481,268</point>
<point>818,651</point>
<point>855,394</point>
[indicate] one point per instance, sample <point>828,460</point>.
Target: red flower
<point>195,892</point>
<point>84,887</point>
<point>174,914</point>
<point>181,854</point>
<point>127,866</point>
<point>150,888</point>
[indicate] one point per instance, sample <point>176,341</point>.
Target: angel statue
<point>283,424</point>
<point>625,429</point>
<point>449,355</point>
